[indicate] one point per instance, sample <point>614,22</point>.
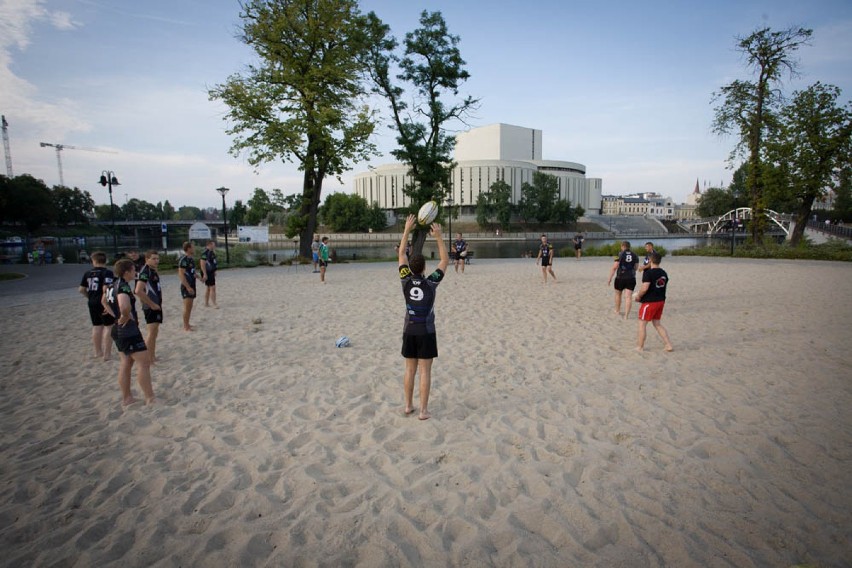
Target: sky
<point>624,88</point>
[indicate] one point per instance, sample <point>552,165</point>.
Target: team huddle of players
<point>112,308</point>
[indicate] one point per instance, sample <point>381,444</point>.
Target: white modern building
<point>485,155</point>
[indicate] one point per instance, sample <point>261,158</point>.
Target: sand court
<point>551,443</point>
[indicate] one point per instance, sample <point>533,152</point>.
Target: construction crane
<point>6,147</point>
<point>60,147</point>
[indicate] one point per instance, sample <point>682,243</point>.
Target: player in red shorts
<point>652,295</point>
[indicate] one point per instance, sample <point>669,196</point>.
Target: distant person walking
<point>419,340</point>
<point>459,252</point>
<point>624,270</point>
<point>315,246</point>
<point>209,266</point>
<point>578,245</point>
<point>323,258</point>
<point>652,295</point>
<point>186,275</point>
<point>545,258</point>
<point>149,292</point>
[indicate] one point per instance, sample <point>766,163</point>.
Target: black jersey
<point>546,250</point>
<point>95,280</point>
<point>121,286</point>
<point>419,295</point>
<point>152,285</point>
<point>188,265</point>
<point>209,257</point>
<point>627,261</point>
<point>659,282</point>
<point>459,245</point>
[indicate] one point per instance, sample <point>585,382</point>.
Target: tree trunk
<point>312,189</point>
<point>801,220</point>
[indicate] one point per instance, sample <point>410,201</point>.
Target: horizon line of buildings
<point>503,152</point>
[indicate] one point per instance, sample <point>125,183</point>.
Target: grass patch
<point>611,249</point>
<point>834,249</point>
<point>4,276</point>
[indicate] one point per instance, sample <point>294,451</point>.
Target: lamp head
<point>222,191</point>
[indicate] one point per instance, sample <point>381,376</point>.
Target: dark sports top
<point>209,256</point>
<point>659,281</point>
<point>647,260</point>
<point>578,240</point>
<point>627,261</point>
<point>419,295</point>
<point>94,281</point>
<point>188,264</point>
<point>121,286</point>
<point>152,285</point>
<point>459,245</point>
<point>546,250</point>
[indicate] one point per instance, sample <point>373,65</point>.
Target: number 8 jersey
<point>419,295</point>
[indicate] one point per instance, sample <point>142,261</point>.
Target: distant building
<point>485,155</point>
<point>646,205</point>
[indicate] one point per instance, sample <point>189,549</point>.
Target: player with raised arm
<point>419,339</point>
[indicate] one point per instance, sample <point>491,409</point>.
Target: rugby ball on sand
<point>342,342</point>
<point>427,213</point>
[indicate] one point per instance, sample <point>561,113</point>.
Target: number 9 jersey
<point>419,295</point>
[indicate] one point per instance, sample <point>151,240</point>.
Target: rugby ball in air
<point>342,341</point>
<point>427,213</point>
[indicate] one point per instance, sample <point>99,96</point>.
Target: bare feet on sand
<point>424,415</point>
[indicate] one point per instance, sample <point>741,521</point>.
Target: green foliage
<point>540,202</point>
<point>809,147</point>
<point>169,212</point>
<point>716,201</point>
<point>72,205</point>
<point>835,249</point>
<point>748,108</point>
<point>348,213</point>
<point>259,207</point>
<point>613,249</point>
<point>27,200</point>
<point>189,213</point>
<point>432,68</point>
<point>495,205</point>
<point>237,214</point>
<point>303,99</point>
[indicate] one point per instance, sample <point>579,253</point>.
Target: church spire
<point>697,191</point>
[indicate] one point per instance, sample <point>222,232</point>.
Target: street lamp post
<point>108,179</point>
<point>450,217</point>
<point>222,191</point>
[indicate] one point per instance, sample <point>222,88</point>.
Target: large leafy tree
<point>716,201</point>
<point>27,200</point>
<point>495,205</point>
<point>539,198</point>
<point>432,69</point>
<point>72,205</point>
<point>301,100</point>
<point>810,147</point>
<point>346,213</point>
<point>747,107</point>
<point>259,207</point>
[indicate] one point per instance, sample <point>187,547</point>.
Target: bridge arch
<point>783,222</point>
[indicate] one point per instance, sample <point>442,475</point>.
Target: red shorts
<point>650,311</point>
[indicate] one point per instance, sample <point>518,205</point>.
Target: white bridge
<point>722,224</point>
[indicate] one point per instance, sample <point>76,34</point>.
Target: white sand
<point>552,442</point>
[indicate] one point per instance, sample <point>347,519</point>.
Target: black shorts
<point>128,344</point>
<point>323,263</point>
<point>184,294</point>
<point>420,346</point>
<point>98,317</point>
<point>211,279</point>
<point>545,261</point>
<point>578,247</point>
<point>153,316</point>
<point>625,283</point>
